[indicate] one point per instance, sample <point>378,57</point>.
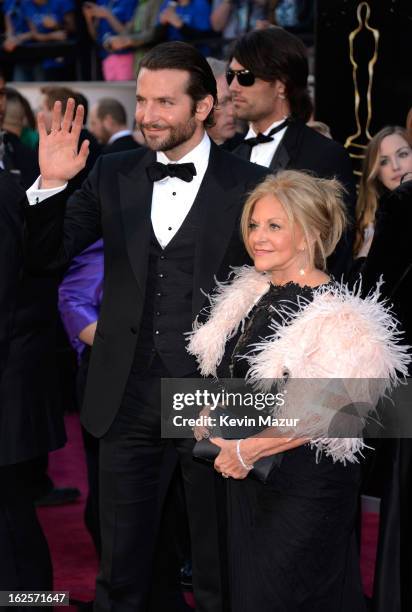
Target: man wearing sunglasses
<point>267,75</point>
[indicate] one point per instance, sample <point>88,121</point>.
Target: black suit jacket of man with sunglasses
<point>303,148</point>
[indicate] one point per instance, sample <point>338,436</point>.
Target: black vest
<point>167,311</point>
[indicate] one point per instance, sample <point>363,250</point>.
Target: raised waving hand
<point>59,156</point>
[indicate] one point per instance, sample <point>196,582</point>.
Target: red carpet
<point>74,559</point>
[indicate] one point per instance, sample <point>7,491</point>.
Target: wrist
<point>45,183</point>
<point>246,464</point>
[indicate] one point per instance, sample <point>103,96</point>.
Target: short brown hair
<point>56,93</point>
<point>313,203</point>
<point>178,55</point>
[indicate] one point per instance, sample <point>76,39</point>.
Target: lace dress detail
<point>257,328</point>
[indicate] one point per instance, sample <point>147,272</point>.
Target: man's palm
<point>59,158</point>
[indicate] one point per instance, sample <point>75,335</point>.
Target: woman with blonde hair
<point>388,158</point>
<point>291,539</point>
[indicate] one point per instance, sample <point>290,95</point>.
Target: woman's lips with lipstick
<point>260,252</point>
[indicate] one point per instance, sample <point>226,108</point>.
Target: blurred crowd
<point>55,40</point>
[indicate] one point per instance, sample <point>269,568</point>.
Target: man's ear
<point>280,89</point>
<point>204,106</point>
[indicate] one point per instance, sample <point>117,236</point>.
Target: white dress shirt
<point>263,153</point>
<point>172,198</point>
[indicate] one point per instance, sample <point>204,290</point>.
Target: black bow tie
<point>260,138</point>
<point>158,171</point>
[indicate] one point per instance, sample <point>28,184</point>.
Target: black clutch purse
<point>205,450</point>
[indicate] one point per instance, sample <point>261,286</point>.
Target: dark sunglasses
<point>245,78</point>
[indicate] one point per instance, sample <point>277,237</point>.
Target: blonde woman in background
<point>388,158</point>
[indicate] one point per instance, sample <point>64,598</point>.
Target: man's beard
<point>177,135</point>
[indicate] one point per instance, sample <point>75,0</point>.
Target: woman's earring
<point>302,268</point>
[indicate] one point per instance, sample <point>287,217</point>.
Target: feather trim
<point>339,335</point>
<point>230,304</point>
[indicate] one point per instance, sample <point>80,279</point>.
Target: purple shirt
<point>81,293</point>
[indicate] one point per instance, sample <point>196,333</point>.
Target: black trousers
<point>24,555</point>
<point>132,492</point>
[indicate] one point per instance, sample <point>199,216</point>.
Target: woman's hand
<point>201,431</point>
<point>227,462</point>
<point>170,17</point>
<point>118,43</point>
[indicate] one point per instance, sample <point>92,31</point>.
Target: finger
<point>41,125</point>
<point>77,124</point>
<point>68,115</point>
<point>217,466</point>
<point>84,150</point>
<point>218,441</point>
<point>56,116</point>
<point>82,155</point>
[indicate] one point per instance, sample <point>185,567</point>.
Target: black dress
<point>291,541</point>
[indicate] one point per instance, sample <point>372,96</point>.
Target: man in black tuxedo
<point>169,217</point>
<point>29,425</point>
<point>267,76</point>
<point>24,556</point>
<point>11,253</point>
<point>108,123</point>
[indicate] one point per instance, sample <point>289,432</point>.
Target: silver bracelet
<point>239,456</point>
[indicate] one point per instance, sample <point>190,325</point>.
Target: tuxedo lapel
<point>136,191</point>
<point>219,199</point>
<point>288,147</point>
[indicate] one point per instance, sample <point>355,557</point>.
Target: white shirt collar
<point>199,156</point>
<point>252,134</point>
<point>118,135</point>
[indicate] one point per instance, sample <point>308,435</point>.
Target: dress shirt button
<point>160,275</point>
<point>157,314</point>
<point>159,294</point>
<point>174,193</point>
<point>133,330</point>
<point>162,257</point>
<point>157,332</point>
<point>170,229</point>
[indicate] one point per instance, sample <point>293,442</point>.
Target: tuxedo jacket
<point>20,160</point>
<point>115,202</point>
<point>303,148</point>
<point>11,255</point>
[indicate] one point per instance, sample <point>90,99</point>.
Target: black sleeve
<point>12,197</point>
<point>390,254</point>
<point>58,232</point>
<point>339,165</point>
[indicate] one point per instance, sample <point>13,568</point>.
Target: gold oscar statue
<point>363,43</point>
